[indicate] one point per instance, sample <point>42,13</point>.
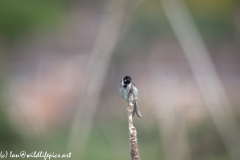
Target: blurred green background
<point>44,52</point>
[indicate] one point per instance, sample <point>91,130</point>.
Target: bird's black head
<point>127,80</point>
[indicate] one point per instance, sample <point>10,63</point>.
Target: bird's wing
<point>120,87</point>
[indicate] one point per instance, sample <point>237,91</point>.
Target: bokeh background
<point>61,62</point>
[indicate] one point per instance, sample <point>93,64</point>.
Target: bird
<point>126,87</point>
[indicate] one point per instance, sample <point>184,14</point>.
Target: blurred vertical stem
<point>132,131</point>
<point>105,42</point>
<point>203,69</point>
<point>173,125</point>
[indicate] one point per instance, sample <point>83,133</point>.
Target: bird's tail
<point>136,110</point>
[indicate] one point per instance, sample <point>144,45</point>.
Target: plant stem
<point>132,130</point>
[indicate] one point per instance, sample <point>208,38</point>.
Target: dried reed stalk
<point>132,130</point>
<point>206,76</point>
<point>98,63</point>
